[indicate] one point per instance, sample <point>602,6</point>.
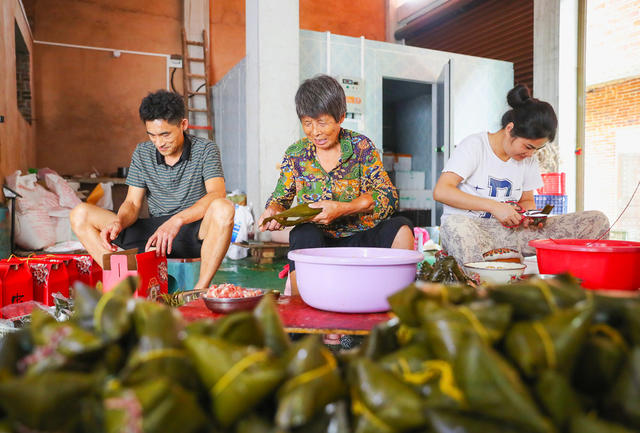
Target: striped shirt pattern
<point>171,189</point>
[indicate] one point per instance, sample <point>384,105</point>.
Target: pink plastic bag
<point>67,197</point>
<point>34,195</point>
<point>420,237</point>
<point>34,228</point>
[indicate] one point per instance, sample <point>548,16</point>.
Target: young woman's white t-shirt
<point>485,175</point>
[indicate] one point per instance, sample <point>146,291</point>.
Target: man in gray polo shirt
<point>182,177</point>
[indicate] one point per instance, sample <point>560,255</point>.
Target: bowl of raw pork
<point>227,298</point>
<point>353,280</point>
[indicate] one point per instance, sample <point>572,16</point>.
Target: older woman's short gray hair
<point>320,95</point>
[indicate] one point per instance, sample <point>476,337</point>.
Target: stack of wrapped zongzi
<point>538,356</point>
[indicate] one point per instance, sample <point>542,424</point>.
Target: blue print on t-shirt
<point>498,187</point>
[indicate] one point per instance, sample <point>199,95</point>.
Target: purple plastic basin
<point>353,280</point>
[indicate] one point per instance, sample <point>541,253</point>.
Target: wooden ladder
<point>190,95</point>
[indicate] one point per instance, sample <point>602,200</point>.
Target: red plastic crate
<point>554,184</point>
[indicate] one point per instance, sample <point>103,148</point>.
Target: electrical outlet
<point>175,61</point>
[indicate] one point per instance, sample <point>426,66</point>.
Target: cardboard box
<point>152,272</point>
<point>409,179</point>
<point>388,160</point>
<point>415,198</point>
<point>403,162</point>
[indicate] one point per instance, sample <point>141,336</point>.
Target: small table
<point>264,252</point>
<point>299,318</point>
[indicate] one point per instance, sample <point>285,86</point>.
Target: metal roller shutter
<point>497,29</point>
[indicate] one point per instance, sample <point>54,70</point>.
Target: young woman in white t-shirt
<point>489,172</point>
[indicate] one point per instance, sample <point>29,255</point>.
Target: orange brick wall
<point>611,107</point>
<point>350,18</point>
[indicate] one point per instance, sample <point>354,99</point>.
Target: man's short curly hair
<point>164,105</point>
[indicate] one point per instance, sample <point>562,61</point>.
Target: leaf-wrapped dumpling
<point>156,406</point>
<point>601,359</point>
<point>111,317</point>
<point>238,328</point>
<point>404,302</point>
<point>557,398</point>
<point>313,381</point>
<point>159,351</point>
<point>50,401</point>
<point>296,215</point>
<point>272,331</point>
<point>432,378</point>
<point>493,388</point>
<point>623,401</point>
<point>446,327</point>
<point>536,298</point>
<point>382,340</point>
<point>13,347</point>
<point>590,424</point>
<point>448,421</point>
<point>381,402</point>
<point>448,293</point>
<point>553,342</point>
<point>237,377</point>
<point>632,316</point>
<point>85,300</point>
<point>59,344</point>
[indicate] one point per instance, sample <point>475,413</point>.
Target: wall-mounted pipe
<point>113,50</point>
<point>328,53</point>
<point>580,103</point>
<point>362,57</point>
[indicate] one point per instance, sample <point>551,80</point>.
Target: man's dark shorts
<point>309,235</point>
<point>185,245</point>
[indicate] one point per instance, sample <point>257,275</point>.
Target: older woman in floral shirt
<point>340,172</point>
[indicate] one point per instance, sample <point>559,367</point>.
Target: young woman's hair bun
<point>518,96</point>
<point>531,117</point>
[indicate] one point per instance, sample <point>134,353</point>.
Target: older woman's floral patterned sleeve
<point>285,190</point>
<point>377,182</point>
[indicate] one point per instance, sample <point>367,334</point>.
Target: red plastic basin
<point>604,264</point>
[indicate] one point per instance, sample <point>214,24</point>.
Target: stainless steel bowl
<point>229,305</point>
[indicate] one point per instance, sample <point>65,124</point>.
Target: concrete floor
<point>247,273</point>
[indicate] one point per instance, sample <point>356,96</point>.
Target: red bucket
<point>603,264</point>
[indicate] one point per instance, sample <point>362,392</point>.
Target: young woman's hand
<point>528,222</point>
<point>506,214</point>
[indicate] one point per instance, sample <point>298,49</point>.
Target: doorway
<point>407,133</point>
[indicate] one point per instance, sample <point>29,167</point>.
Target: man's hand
<point>163,237</point>
<point>272,225</point>
<point>330,211</point>
<point>506,214</point>
<point>109,233</point>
